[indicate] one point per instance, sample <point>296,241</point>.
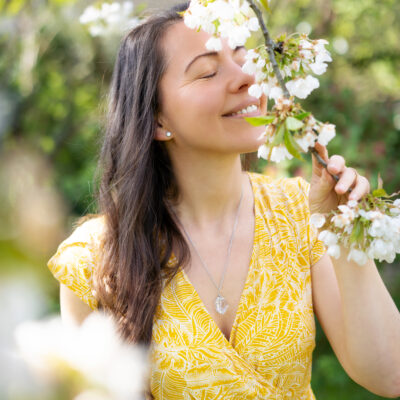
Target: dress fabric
<point>269,352</point>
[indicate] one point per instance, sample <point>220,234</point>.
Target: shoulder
<point>288,192</point>
<point>76,258</point>
<point>89,231</point>
<point>84,242</point>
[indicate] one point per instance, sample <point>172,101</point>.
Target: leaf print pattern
<point>269,352</point>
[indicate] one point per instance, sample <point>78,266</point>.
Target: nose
<point>238,80</point>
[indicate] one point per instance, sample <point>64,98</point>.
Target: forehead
<point>181,44</point>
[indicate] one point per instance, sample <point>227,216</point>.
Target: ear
<point>161,132</point>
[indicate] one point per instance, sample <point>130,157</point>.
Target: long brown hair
<point>136,187</point>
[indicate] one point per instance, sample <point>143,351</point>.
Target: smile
<point>251,110</point>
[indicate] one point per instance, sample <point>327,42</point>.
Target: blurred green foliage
<point>53,85</point>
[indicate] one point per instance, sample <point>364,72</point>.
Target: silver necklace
<point>221,305</point>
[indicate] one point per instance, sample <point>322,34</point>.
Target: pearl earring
<point>168,134</point>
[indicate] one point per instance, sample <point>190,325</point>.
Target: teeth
<point>249,109</point>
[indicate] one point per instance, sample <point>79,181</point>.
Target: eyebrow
<point>209,54</point>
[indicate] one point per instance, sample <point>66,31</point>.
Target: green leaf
<point>278,135</point>
<point>258,121</point>
<point>293,148</point>
<point>358,232</point>
<point>293,124</point>
<point>265,4</point>
<point>380,193</point>
<point>303,115</point>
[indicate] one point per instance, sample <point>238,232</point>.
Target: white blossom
<point>94,349</point>
<point>214,44</point>
<point>306,141</point>
<point>90,14</point>
<point>347,211</point>
<point>370,215</point>
<point>305,44</point>
<point>318,68</point>
<point>323,57</point>
<point>329,238</point>
<point>378,227</point>
<point>326,133</point>
<point>295,66</point>
<point>382,250</point>
<point>352,203</point>
<point>249,67</point>
<point>334,251</point>
<point>317,220</point>
<point>301,88</point>
<point>235,21</point>
<point>341,220</point>
<point>280,153</point>
<point>275,93</point>
<point>253,23</point>
<point>109,19</point>
<point>263,152</point>
<point>358,256</point>
<point>255,91</point>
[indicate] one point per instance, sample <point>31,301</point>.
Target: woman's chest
<point>274,334</point>
<point>223,273</point>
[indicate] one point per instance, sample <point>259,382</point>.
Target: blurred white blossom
<point>369,229</point>
<point>93,350</point>
<point>298,58</point>
<point>230,19</point>
<point>109,19</point>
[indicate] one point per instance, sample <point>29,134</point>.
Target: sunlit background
<point>55,68</point>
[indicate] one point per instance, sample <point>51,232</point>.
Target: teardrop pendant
<point>221,305</point>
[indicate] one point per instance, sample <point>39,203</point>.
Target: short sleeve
<point>76,258</point>
<point>317,248</point>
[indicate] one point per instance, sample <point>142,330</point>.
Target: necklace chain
<point>220,303</point>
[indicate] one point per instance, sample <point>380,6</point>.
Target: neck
<point>210,190</point>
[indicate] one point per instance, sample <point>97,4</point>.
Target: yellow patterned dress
<point>269,352</point>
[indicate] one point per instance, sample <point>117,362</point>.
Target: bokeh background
<point>54,77</point>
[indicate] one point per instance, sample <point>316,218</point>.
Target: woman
<point>216,268</point>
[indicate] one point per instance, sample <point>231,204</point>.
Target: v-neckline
<point>248,277</point>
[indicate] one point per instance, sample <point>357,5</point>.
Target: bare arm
<point>73,310</point>
<point>360,321</point>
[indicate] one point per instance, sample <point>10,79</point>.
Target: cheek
<point>204,103</point>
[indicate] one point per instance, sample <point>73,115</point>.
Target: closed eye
<point>209,76</point>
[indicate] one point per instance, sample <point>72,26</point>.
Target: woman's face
<point>200,92</point>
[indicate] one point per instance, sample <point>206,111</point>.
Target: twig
<point>270,45</point>
<point>322,162</point>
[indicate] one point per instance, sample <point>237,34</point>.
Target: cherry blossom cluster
<point>69,355</point>
<point>109,18</point>
<point>370,229</point>
<point>297,57</point>
<point>231,19</point>
<point>290,131</point>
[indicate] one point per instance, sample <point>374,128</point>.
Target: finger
<point>322,151</point>
<point>336,165</point>
<point>361,188</point>
<point>347,180</point>
<point>327,181</point>
<point>318,168</point>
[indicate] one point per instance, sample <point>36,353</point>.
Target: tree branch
<point>270,45</point>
